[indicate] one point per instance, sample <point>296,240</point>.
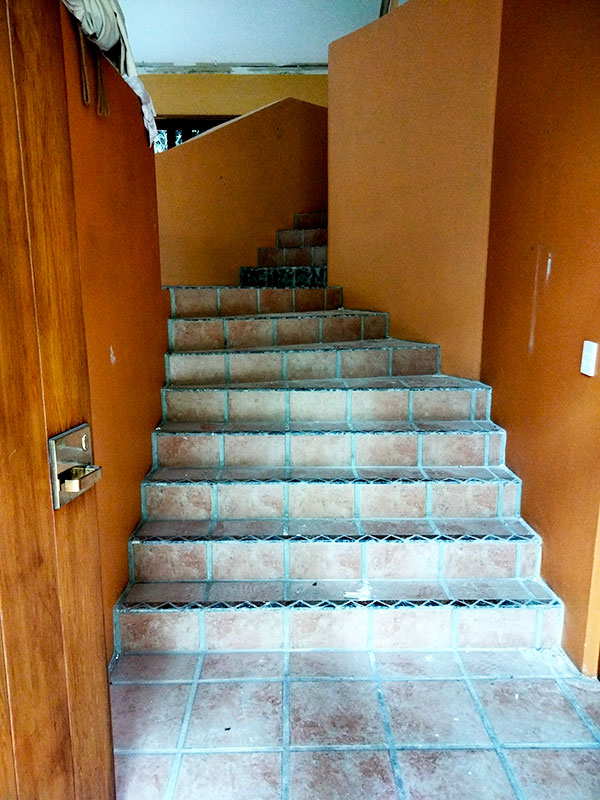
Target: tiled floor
<point>327,725</point>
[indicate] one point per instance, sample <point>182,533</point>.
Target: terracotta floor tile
<point>242,665</point>
<point>505,663</point>
<point>455,775</point>
<point>230,776</point>
<point>154,667</point>
<point>418,665</point>
<point>147,716</point>
<point>342,775</point>
<point>587,694</point>
<point>330,665</point>
<point>433,712</point>
<point>236,715</point>
<point>557,774</point>
<point>531,712</point>
<point>335,713</point>
<point>142,776</point>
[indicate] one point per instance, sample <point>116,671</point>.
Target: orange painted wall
<point>208,94</point>
<point>411,110</point>
<point>226,192</point>
<point>545,199</point>
<point>125,309</point>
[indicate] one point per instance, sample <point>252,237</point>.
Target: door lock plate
<point>71,469</point>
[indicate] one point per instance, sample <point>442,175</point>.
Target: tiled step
<point>216,301</point>
<point>329,445</point>
<point>312,219</point>
<point>271,615</point>
<point>364,358</point>
<point>265,330</point>
<point>311,237</point>
<point>292,256</point>
<point>413,399</point>
<point>317,549</point>
<point>285,277</point>
<point>341,492</point>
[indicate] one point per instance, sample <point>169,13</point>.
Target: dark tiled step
<point>427,397</point>
<point>311,219</point>
<point>292,256</point>
<point>260,330</point>
<point>365,358</point>
<point>311,237</point>
<point>216,301</point>
<point>285,277</point>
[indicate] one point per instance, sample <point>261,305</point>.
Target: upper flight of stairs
<point>298,259</point>
<point>318,484</point>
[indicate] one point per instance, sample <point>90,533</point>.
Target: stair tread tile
<point>331,474</point>
<point>389,591</point>
<point>330,529</point>
<point>413,382</point>
<point>319,313</point>
<point>462,427</point>
<point>357,344</point>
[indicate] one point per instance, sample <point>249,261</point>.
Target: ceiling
<point>243,32</point>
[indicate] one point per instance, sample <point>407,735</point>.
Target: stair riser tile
<point>384,361</point>
<point>217,405</point>
<point>217,334</point>
<point>310,219</point>
<point>373,560</point>
<point>425,627</point>
<point>326,500</point>
<point>312,237</point>
<point>231,301</point>
<point>325,449</point>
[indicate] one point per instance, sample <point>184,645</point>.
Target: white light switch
<point>589,356</point>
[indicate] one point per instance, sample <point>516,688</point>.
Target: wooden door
<point>54,709</point>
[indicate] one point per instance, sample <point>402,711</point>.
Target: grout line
<point>225,332</point>
<point>275,332</point>
<point>364,572</point>
<point>387,727</point>
<point>500,500</point>
<point>215,501</point>
<point>209,561</point>
<point>226,400</point>
<point>592,727</point>
<point>473,405</point>
<point>176,765</point>
<point>390,367</point>
<point>338,363</point>
<point>227,368</point>
<point>285,725</point>
<point>202,628</point>
<point>218,301</point>
<point>173,304</point>
<point>491,733</point>
<point>286,563</point>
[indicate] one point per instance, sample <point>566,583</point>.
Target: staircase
<point>318,484</point>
